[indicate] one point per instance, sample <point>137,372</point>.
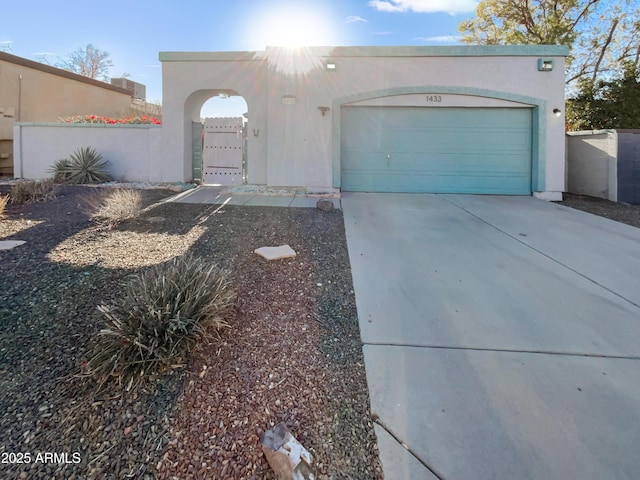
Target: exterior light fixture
<point>323,110</point>
<point>331,66</point>
<point>256,132</point>
<point>557,112</point>
<point>545,64</point>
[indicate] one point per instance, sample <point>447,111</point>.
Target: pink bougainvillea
<point>143,120</point>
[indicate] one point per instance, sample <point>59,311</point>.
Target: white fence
<point>605,164</point>
<point>134,152</point>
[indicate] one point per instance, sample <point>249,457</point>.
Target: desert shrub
<point>3,203</point>
<point>60,170</point>
<point>153,325</point>
<point>115,206</point>
<point>85,165</point>
<point>31,191</point>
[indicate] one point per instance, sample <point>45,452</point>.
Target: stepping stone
<point>9,244</point>
<point>275,253</point>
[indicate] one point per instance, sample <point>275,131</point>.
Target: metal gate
<point>222,152</point>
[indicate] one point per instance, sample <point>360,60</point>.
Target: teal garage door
<point>436,150</point>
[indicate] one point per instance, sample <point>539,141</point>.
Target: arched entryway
<point>218,136</point>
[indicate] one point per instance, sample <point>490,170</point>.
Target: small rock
<point>286,456</point>
<point>325,205</point>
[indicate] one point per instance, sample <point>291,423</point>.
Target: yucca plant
<point>31,191</point>
<point>60,170</point>
<point>4,199</point>
<point>85,165</point>
<point>115,206</point>
<point>153,325</point>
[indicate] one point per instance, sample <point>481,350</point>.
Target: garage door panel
<point>410,162</point>
<point>438,150</point>
<point>486,183</point>
<point>435,139</point>
<point>411,117</point>
<point>444,143</point>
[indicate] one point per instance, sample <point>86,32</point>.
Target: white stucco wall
<point>133,151</point>
<point>187,84</point>
<point>298,146</point>
<point>593,163</point>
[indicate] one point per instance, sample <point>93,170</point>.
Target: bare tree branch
<point>583,13</point>
<point>89,61</point>
<point>603,49</point>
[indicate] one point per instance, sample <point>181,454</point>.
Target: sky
<point>134,32</point>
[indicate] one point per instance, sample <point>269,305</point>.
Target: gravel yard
<point>292,353</point>
<point>620,212</point>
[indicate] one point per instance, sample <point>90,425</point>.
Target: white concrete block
<point>275,253</point>
<point>9,244</point>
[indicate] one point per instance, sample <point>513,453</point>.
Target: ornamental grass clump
<point>4,199</point>
<point>152,327</point>
<point>85,165</point>
<point>31,191</point>
<point>115,206</point>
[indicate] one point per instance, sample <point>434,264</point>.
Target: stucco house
<point>454,119</point>
<point>35,92</point>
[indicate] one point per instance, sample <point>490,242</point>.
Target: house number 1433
<point>434,98</point>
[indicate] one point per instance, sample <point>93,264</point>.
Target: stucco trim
<point>86,125</point>
<point>452,51</point>
<point>211,56</point>
<point>538,140</point>
<point>377,51</point>
<point>588,133</point>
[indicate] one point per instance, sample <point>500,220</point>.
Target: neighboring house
<point>138,91</point>
<point>455,119</point>
<point>34,92</point>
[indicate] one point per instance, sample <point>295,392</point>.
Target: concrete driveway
<point>501,336</point>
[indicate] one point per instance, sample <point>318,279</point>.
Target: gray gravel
<point>620,212</point>
<point>292,354</point>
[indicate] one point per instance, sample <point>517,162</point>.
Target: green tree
<point>526,22</point>
<point>602,34</point>
<point>607,104</point>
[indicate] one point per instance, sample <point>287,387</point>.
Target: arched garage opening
<point>476,140</point>
<point>216,122</point>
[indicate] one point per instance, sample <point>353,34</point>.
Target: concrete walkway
<point>500,336</point>
<point>218,196</point>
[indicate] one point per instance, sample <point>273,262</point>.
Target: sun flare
<point>292,27</point>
